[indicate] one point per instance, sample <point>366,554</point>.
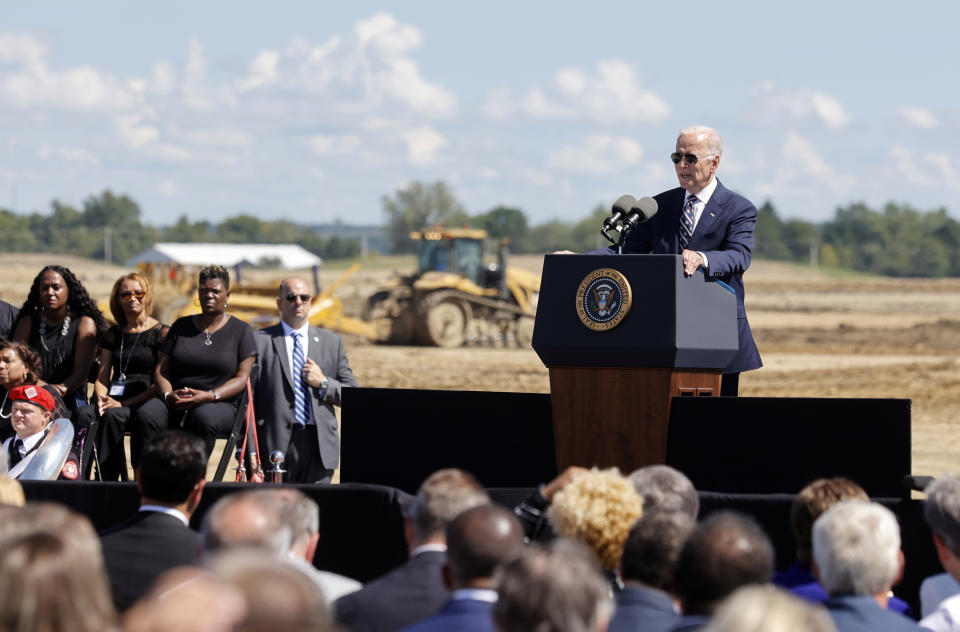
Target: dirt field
<point>819,335</point>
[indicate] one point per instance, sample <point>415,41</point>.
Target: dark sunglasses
<point>691,159</point>
<point>138,295</point>
<point>292,298</point>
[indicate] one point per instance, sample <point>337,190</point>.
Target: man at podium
<point>710,226</point>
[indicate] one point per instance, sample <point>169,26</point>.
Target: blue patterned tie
<point>686,222</point>
<point>299,392</point>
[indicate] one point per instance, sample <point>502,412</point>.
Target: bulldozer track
<point>439,296</point>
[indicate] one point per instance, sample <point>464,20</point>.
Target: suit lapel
<point>711,212</point>
<point>280,348</point>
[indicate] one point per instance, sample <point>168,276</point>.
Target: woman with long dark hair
<point>203,366</point>
<point>19,366</point>
<point>62,322</point>
<point>128,357</point>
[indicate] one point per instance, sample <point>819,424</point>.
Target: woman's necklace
<point>43,330</point>
<point>120,364</point>
<point>5,396</point>
<point>208,341</point>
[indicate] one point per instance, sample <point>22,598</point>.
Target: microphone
<point>640,212</point>
<point>621,208</point>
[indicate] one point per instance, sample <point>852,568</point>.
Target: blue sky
<point>312,111</point>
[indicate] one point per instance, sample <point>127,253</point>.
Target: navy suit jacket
<point>646,609</point>
<point>856,613</point>
<point>469,615</point>
<point>724,234</point>
<point>137,552</point>
<point>407,594</point>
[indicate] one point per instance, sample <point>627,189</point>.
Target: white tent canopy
<point>201,254</point>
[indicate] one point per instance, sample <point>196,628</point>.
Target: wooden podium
<point>611,387</point>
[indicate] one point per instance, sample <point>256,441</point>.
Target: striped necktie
<point>299,392</point>
<point>686,222</point>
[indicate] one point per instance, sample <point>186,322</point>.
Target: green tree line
<point>897,240</point>
<point>67,230</point>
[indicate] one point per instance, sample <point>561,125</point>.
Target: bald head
<point>293,301</point>
<point>246,520</point>
<point>479,541</point>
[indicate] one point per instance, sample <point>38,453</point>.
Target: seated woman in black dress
<point>203,366</point>
<point>63,324</point>
<point>128,357</point>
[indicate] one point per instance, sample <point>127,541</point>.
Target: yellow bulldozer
<point>453,297</point>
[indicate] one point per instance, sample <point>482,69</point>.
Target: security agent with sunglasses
<point>302,369</point>
<point>711,226</point>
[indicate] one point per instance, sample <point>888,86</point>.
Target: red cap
<point>33,394</point>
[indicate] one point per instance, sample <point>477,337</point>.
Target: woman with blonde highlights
<point>128,356</point>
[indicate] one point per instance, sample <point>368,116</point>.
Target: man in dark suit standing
<point>479,542</point>
<point>159,537</point>
<point>415,590</point>
<point>711,226</point>
<point>302,369</point>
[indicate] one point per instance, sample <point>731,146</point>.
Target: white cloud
<point>19,48</point>
<point>168,188</point>
<point>599,154</point>
<point>917,116</point>
<point>164,77</point>
<point>945,169</point>
<point>77,88</point>
<point>536,176</point>
<point>218,138</point>
<point>195,74</point>
<point>335,145</point>
<point>907,166</point>
<point>782,105</point>
<point>612,94</point>
<point>263,71</point>
<point>423,143</point>
<point>134,132</point>
<point>69,154</point>
<point>800,168</point>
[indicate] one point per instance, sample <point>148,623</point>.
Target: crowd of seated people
<point>619,553</point>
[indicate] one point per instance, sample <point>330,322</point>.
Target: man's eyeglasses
<point>691,159</point>
<point>292,298</point>
<point>139,294</point>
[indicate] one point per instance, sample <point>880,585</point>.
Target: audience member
<point>187,599</point>
<point>648,568</point>
<point>51,572</point>
<point>302,371</point>
<point>857,558</point>
<point>301,514</point>
<point>765,609</point>
<point>808,505</point>
<point>30,414</point>
<point>479,542</point>
<point>246,520</point>
<point>935,590</point>
<point>8,315</point>
<point>128,357</point>
<point>414,591</point>
<point>532,511</point>
<point>20,366</point>
<point>554,588</point>
<point>942,512</point>
<point>11,492</point>
<point>597,507</point>
<point>665,488</point>
<point>202,368</point>
<point>158,537</point>
<point>725,552</point>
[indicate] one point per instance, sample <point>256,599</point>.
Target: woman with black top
<point>128,357</point>
<point>203,366</point>
<point>63,324</point>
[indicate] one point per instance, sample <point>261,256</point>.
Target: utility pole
<point>107,244</point>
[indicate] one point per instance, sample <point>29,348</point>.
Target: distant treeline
<point>896,241</point>
<point>83,232</point>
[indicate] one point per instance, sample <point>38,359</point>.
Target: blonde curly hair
<point>597,507</point>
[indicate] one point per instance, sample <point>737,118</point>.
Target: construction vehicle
<point>453,297</point>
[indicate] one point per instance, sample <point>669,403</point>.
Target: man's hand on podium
<point>691,261</point>
<point>563,252</point>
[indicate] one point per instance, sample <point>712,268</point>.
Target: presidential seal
<point>604,299</point>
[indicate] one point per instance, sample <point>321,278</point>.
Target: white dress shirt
<point>703,196</point>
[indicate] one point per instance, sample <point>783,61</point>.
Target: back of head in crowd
<point>653,548</point>
<point>856,549</point>
<point>663,487</point>
<point>172,465</point>
<point>278,598</point>
<point>301,515</point>
<point>554,588</point>
<point>726,551</point>
<point>246,520</point>
<point>52,576</point>
<point>767,608</point>
<point>811,502</point>
<point>11,491</point>
<point>942,512</point>
<point>479,541</point>
<point>598,508</point>
<point>443,496</point>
